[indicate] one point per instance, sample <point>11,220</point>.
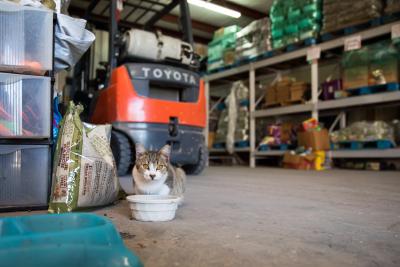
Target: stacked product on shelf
<point>396,128</point>
<point>341,14</point>
<point>287,91</point>
<point>278,134</point>
<point>392,6</point>
<point>213,120</point>
<point>313,142</point>
<point>233,124</point>
<point>331,89</point>
<point>364,134</point>
<point>372,65</point>
<point>253,40</point>
<point>222,47</point>
<point>294,20</point>
<point>26,60</point>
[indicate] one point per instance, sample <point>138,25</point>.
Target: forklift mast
<point>115,36</point>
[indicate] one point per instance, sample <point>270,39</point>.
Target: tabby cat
<point>154,175</point>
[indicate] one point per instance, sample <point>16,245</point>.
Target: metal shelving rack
<point>314,106</point>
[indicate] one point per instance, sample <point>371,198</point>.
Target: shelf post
<point>252,87</point>
<point>343,120</point>
<point>314,88</point>
<point>207,96</point>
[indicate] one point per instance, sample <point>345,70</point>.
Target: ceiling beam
<point>245,11</point>
<point>150,23</point>
<point>198,25</point>
<point>102,23</point>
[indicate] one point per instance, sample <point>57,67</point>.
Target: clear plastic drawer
<point>24,175</point>
<point>25,106</point>
<point>26,39</point>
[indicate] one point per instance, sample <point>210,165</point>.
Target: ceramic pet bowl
<point>153,208</point>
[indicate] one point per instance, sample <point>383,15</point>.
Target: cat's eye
<point>145,166</point>
<point>159,167</point>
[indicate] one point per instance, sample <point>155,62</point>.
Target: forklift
<point>154,94</point>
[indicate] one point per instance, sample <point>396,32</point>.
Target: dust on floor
<point>274,217</point>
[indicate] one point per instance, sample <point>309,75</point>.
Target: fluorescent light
<point>215,8</point>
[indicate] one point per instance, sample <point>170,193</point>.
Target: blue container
<point>70,239</point>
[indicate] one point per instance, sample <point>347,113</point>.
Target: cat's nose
<point>152,176</point>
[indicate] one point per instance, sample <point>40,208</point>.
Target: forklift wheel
<point>200,165</point>
<point>122,152</point>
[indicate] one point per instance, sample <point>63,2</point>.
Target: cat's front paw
<point>164,191</point>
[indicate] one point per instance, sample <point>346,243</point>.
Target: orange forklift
<point>154,95</point>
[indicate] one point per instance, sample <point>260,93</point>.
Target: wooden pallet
<point>350,29</point>
<point>356,145</point>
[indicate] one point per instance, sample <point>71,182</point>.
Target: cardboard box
<point>229,56</point>
<point>270,96</point>
<point>297,90</point>
<point>211,138</point>
<point>298,162</point>
<point>286,132</point>
<point>282,94</point>
<point>317,140</point>
<point>297,94</point>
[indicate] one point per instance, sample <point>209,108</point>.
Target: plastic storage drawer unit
<point>25,107</point>
<point>24,175</point>
<point>26,39</point>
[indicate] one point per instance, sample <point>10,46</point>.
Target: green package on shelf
<point>292,29</point>
<point>276,34</point>
<point>309,2</point>
<point>308,24</point>
<point>317,15</point>
<point>278,19</point>
<point>290,39</point>
<point>220,33</point>
<point>303,35</point>
<point>278,25</point>
<point>311,8</point>
<point>278,43</point>
<point>225,40</point>
<point>294,15</point>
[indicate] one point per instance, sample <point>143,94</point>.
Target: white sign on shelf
<point>352,43</point>
<point>313,53</point>
<point>396,31</point>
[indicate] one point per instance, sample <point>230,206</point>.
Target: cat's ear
<point>140,150</point>
<point>165,151</point>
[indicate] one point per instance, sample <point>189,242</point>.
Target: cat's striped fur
<point>154,175</point>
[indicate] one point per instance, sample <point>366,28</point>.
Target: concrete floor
<point>272,217</point>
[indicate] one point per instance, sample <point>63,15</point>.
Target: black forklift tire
<point>122,151</point>
<point>197,168</point>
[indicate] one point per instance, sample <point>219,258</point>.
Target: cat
<point>154,175</point>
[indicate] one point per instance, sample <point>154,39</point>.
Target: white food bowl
<point>153,208</point>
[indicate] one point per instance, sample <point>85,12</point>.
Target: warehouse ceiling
<point>136,13</point>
